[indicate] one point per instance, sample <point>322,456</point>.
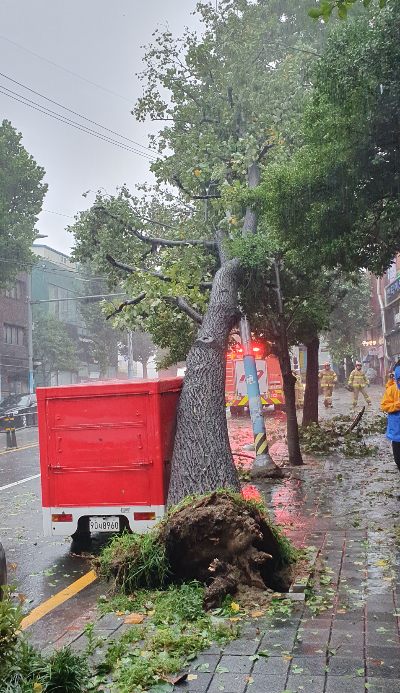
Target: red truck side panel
<point>107,444</point>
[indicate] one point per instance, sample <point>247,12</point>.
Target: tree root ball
<point>223,541</point>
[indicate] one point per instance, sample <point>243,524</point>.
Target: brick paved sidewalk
<point>348,509</point>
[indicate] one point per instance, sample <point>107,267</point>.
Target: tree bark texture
<point>292,427</point>
<point>310,410</point>
<point>202,459</point>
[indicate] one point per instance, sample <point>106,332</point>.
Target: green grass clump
<point>179,603</point>
<point>135,560</point>
<point>65,671</point>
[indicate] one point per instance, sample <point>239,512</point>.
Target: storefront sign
<point>393,291</point>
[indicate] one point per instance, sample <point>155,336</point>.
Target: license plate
<point>104,524</point>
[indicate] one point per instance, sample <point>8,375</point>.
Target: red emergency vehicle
<point>105,452</point>
<point>269,379</point>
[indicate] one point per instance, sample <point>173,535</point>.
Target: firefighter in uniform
<point>358,380</point>
<point>328,379</point>
<point>298,390</point>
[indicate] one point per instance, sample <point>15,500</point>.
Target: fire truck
<point>269,379</point>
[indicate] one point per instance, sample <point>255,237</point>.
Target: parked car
<point>22,407</point>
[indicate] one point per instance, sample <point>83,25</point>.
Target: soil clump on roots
<point>219,539</point>
<point>225,541</point>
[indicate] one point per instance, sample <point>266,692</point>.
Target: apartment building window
<point>17,291</point>
<point>12,334</point>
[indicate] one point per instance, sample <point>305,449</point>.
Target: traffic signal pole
<point>263,465</point>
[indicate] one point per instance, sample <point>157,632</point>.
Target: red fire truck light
<point>256,349</point>
<point>144,516</point>
<point>62,517</point>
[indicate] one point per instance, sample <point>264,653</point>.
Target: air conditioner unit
<point>397,318</point>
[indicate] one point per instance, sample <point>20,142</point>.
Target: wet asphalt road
<point>39,566</point>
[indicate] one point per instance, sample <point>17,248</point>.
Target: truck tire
<point>3,571</point>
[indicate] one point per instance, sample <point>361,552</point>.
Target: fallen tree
<point>219,539</point>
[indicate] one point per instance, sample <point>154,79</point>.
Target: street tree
<point>52,348</point>
<point>102,346</point>
<point>229,100</point>
<point>340,190</point>
<point>21,197</point>
<point>143,349</point>
<point>349,318</point>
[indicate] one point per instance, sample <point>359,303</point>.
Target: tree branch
<point>157,275</point>
<point>132,302</point>
<point>180,303</point>
<point>155,241</point>
<point>194,197</point>
<point>264,151</point>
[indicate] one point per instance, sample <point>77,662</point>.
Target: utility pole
<point>30,327</point>
<point>263,465</point>
<point>130,356</point>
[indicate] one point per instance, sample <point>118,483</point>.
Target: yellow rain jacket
<point>328,378</point>
<point>358,378</point>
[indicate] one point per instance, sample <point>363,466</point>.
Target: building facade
<point>13,339</point>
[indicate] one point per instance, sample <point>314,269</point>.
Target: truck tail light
<point>62,517</point>
<point>144,516</point>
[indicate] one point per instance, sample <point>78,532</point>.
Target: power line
<point>74,112</point>
<point>66,70</point>
<point>67,121</point>
<point>49,211</point>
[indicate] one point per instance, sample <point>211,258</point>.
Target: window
<point>12,334</point>
<point>62,310</point>
<point>16,291</point>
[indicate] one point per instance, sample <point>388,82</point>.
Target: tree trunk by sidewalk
<point>288,378</point>
<point>310,410</point>
<point>349,367</point>
<point>202,459</point>
<point>144,366</point>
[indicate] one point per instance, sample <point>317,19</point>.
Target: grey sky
<point>99,40</point>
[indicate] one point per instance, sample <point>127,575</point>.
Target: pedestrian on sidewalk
<point>358,380</point>
<point>328,379</point>
<point>391,405</point>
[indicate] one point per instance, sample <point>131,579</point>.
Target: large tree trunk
<point>292,433</point>
<point>349,367</point>
<point>202,459</point>
<point>144,366</point>
<point>310,410</point>
<point>288,378</point>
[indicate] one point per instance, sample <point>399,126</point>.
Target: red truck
<point>269,378</point>
<point>105,453</point>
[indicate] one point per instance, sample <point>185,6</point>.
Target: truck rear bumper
<point>63,528</point>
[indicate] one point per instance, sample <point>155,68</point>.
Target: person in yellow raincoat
<point>358,380</point>
<point>298,390</point>
<point>328,379</point>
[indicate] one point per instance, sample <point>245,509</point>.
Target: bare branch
<point>230,97</point>
<point>132,302</point>
<point>180,303</point>
<point>157,275</point>
<point>264,151</point>
<point>133,270</point>
<point>155,241</point>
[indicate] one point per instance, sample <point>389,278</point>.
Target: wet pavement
<point>346,638</point>
<point>38,566</point>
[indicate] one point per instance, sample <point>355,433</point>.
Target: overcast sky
<point>101,41</point>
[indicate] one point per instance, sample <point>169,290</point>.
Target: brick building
<point>13,338</point>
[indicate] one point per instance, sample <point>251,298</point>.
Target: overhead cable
<point>75,113</point>
<point>67,121</point>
